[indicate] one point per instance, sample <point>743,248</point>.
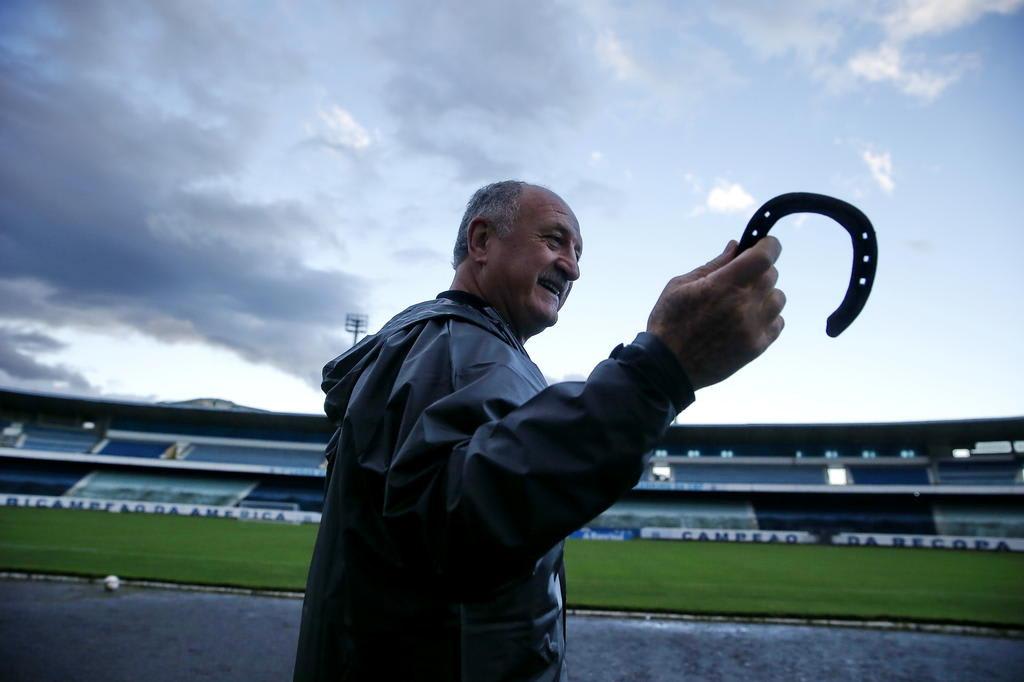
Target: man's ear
<point>479,235</point>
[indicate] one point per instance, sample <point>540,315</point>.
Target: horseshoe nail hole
<point>863,235</point>
<point>867,258</point>
<point>863,281</point>
<point>767,214</point>
<point>754,233</point>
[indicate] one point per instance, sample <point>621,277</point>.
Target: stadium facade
<point>944,484</point>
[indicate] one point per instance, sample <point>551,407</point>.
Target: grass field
<point>690,577</point>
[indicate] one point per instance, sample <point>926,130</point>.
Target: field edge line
<point>867,624</point>
<point>583,611</point>
<point>154,584</point>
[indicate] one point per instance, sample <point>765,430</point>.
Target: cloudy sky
<point>193,194</point>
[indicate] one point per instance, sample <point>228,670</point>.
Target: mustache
<point>555,277</point>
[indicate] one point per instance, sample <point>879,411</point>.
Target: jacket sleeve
<point>494,474</point>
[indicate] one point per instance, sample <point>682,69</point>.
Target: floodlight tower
<point>355,323</point>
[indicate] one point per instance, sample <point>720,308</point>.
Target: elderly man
<point>456,472</point>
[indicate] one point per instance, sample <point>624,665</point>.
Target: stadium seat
<point>979,473</point>
<point>882,475</point>
<point>162,487</point>
<point>274,457</point>
<point>678,513</point>
<point>37,478</point>
<point>1000,519</point>
<point>58,440</point>
<point>829,514</point>
<point>306,495</point>
<point>218,430</point>
<point>754,473</point>
<point>135,448</point>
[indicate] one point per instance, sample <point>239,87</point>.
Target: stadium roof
<point>955,433</point>
<point>213,404</point>
<point>201,411</point>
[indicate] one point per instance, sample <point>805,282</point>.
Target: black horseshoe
<point>865,247</point>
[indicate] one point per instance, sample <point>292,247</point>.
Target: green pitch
<point>183,549</point>
<point>799,580</point>
<point>690,577</point>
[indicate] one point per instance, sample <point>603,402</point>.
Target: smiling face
<point>527,273</point>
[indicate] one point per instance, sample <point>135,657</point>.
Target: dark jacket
<point>452,479</point>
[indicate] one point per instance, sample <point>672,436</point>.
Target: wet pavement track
<point>76,631</point>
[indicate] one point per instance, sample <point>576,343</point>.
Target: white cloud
<point>772,29</point>
<point>729,197</point>
<point>340,129</point>
<point>596,158</point>
<point>886,63</point>
<point>877,65</point>
<point>928,85</point>
<point>880,166</point>
<point>919,18</point>
<point>613,54</point>
<point>814,30</point>
<point>656,56</point>
<point>932,17</point>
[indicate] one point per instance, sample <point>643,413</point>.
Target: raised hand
<point>722,315</point>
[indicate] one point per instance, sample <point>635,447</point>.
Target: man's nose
<point>570,267</point>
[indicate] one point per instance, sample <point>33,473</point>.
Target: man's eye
<point>555,239</point>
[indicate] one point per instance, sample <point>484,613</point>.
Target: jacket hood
<point>341,374</point>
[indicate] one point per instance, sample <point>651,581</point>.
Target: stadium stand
<point>825,514</point>
<point>745,473</point>
<point>994,519</point>
<point>248,431</point>
<point>273,457</point>
<point>144,487</point>
<point>875,475</point>
<point>58,440</point>
<point>297,494</point>
<point>679,513</point>
<point>37,478</point>
<point>135,448</point>
<point>954,477</point>
<point>1004,472</point>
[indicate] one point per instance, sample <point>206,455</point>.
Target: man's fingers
<point>752,263</point>
<point>728,253</point>
<point>774,329</point>
<point>771,245</point>
<point>774,303</point>
<point>769,279</point>
<point>723,314</point>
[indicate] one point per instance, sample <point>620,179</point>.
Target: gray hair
<point>498,204</point>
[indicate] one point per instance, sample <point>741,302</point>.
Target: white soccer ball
<point>111,583</point>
